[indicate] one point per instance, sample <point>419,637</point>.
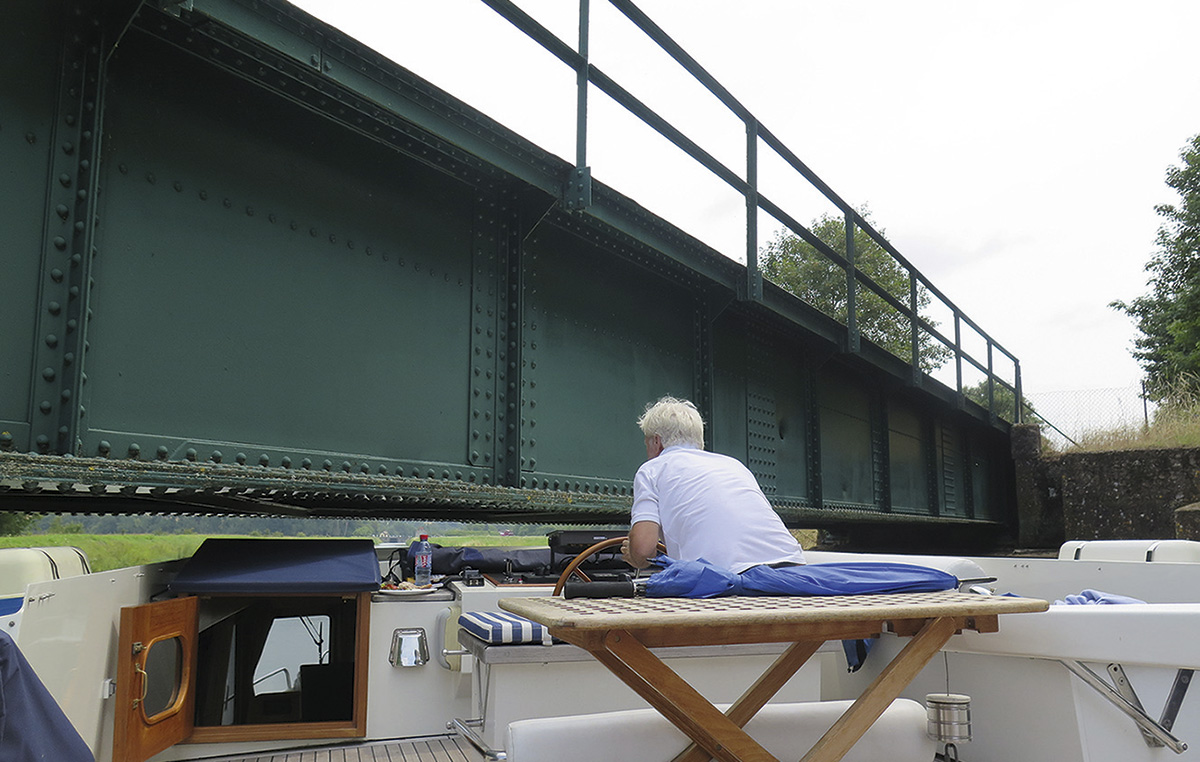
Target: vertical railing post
<point>991,381</point>
<point>577,190</point>
<point>1020,412</point>
<point>581,86</point>
<point>754,288</point>
<point>851,287</point>
<point>958,355</point>
<point>916,327</point>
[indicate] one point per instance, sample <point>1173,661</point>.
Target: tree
<point>12,523</point>
<point>1004,400</point>
<point>1168,317</point>
<point>797,266</point>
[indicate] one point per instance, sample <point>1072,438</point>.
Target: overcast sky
<point>1014,151</point>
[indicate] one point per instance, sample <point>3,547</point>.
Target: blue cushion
<point>501,627</point>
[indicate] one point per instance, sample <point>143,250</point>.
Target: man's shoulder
<point>690,458</point>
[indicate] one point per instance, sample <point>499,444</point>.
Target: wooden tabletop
<point>749,619</point>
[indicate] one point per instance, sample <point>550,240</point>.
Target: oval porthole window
<point>162,676</point>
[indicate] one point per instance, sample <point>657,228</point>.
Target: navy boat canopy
<point>280,566</point>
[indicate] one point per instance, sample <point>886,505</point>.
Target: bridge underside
<point>253,267</point>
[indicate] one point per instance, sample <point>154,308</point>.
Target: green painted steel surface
<point>251,266</point>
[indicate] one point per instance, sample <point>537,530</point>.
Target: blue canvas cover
<point>699,579</point>
<point>280,566</point>
<point>33,727</point>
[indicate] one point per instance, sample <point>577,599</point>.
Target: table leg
<point>883,690</point>
<point>676,700</point>
<point>757,695</point>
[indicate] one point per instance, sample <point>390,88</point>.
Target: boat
<point>301,650</point>
<point>1093,683</point>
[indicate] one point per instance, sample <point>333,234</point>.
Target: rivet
<point>429,473</point>
<point>104,447</point>
<point>65,395</point>
<point>383,470</point>
<point>203,195</point>
<point>45,407</point>
<point>72,324</point>
<point>65,180</point>
<point>6,440</point>
<point>30,138</point>
<point>346,466</point>
<point>162,452</point>
<point>59,242</point>
<point>306,463</point>
<point>365,468</point>
<point>63,210</point>
<point>327,464</point>
<point>178,186</point>
<point>51,341</point>
<point>150,178</point>
<point>226,203</point>
<point>68,358</point>
<point>240,458</point>
<point>43,443</point>
<point>81,194</point>
<point>264,460</point>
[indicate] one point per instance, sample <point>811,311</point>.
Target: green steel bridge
<point>252,266</point>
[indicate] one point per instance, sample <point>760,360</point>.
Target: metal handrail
<point>587,73</point>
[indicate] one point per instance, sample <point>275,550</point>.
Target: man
<point>702,504</point>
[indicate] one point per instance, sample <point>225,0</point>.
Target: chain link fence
<point>1070,416</point>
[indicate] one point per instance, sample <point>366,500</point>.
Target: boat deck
<point>447,748</point>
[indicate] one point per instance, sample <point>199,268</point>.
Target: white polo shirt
<point>710,506</point>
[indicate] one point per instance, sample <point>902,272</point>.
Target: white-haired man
<point>701,504</point>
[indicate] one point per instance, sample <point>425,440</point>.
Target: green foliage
<point>12,523</point>
<point>1168,317</point>
<point>798,267</point>
<point>1005,402</point>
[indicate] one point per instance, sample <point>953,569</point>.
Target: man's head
<point>670,422</point>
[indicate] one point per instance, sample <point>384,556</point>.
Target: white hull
<point>1026,704</point>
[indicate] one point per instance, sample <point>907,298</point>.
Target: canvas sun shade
<point>280,566</point>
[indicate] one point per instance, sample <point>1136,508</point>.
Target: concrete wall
<point>1135,494</point>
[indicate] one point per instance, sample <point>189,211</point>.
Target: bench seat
<point>787,731</point>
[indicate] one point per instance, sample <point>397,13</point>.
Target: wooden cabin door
<point>155,663</point>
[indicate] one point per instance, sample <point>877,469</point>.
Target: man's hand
<point>641,545</point>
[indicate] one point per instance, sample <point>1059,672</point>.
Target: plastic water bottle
<point>423,561</point>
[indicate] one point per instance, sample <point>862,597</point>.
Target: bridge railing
<point>747,186</point>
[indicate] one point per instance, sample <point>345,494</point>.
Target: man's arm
<point>641,545</point>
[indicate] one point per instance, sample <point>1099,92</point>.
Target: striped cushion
<point>498,627</point>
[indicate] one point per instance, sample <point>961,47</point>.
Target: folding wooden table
<point>620,631</point>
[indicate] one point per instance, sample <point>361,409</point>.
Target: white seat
<point>1172,551</point>
<point>787,731</point>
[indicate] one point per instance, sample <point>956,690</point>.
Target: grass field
<point>116,551</point>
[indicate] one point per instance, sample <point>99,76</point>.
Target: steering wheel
<point>573,567</point>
